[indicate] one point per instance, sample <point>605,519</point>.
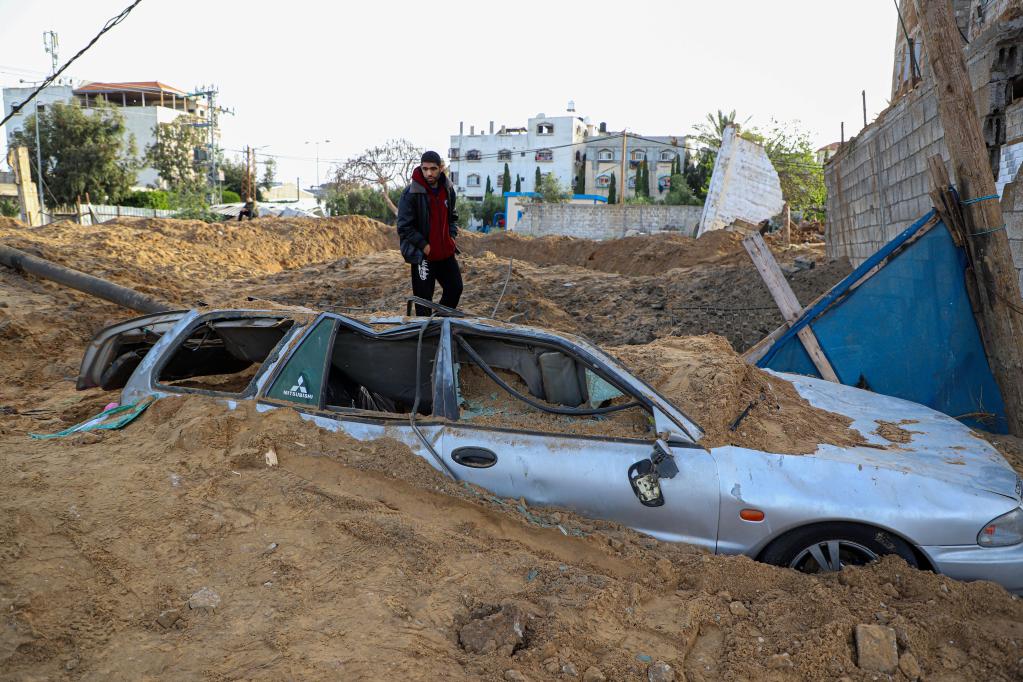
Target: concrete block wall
<point>744,185</point>
<point>600,221</point>
<point>878,182</point>
<point>1012,213</point>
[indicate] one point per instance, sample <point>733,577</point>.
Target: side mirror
<point>645,475</point>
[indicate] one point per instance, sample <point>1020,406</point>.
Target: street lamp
<point>317,143</point>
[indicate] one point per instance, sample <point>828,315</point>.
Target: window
<point>223,356</point>
<point>472,155</point>
<point>504,155</point>
<point>667,155</point>
<point>544,128</point>
<point>603,180</point>
<point>454,177</point>
<point>548,375</point>
<point>301,379</point>
<point>378,375</point>
<point>632,182</point>
<point>453,153</point>
<point>638,155</point>
<point>473,180</point>
<point>545,155</point>
<point>605,155</point>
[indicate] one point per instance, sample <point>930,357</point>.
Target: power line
<point>114,21</point>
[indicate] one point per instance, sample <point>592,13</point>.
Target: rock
<point>515,676</point>
<point>168,617</point>
<point>803,263</point>
<point>551,665</point>
<point>658,305</point>
<point>779,661</point>
<point>503,631</point>
<point>569,669</point>
<point>660,672</point>
<point>727,596</point>
<point>205,598</point>
<point>909,666</point>
<point>876,649</point>
<point>738,609</point>
<point>593,674</point>
<point>71,663</point>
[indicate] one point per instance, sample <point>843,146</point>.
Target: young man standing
<point>427,227</point>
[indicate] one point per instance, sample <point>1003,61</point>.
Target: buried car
<point>597,439</point>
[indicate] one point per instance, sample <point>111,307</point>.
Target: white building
<point>551,143</point>
<point>142,104</point>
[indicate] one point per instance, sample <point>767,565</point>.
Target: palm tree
<point>711,132</point>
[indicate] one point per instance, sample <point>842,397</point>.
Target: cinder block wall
<point>606,222</point>
<point>878,182</point>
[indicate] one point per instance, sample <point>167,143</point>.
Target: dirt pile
<point>735,403</point>
<point>176,259</point>
<point>171,549</point>
<point>638,255</point>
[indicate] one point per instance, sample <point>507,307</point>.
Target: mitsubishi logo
<point>299,390</point>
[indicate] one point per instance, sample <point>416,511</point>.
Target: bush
<point>361,201</point>
<point>9,208</point>
<point>147,199</point>
<point>230,197</point>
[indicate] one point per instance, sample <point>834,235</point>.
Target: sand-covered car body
<point>936,494</point>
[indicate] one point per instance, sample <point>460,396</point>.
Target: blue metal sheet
<point>907,331</point>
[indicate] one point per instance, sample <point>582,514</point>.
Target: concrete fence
<point>600,221</point>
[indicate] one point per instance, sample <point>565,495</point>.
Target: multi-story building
<point>143,105</point>
<point>551,143</point>
<point>602,157</point>
<point>564,146</point>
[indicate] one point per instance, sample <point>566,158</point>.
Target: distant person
<point>427,227</point>
<point>248,211</point>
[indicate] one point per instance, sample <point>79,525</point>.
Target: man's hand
<point>426,251</point>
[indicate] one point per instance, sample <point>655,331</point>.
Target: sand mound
<point>711,383</point>
<point>171,550</point>
<point>638,255</point>
<point>175,259</point>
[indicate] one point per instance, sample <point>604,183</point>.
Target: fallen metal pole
<point>101,288</point>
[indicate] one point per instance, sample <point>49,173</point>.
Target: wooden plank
<point>1000,316</point>
<point>786,301</point>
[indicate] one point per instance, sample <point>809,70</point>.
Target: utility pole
<point>50,44</point>
<point>39,167</point>
<point>999,308</point>
<point>864,93</point>
<point>317,143</point>
<point>625,178</point>
<point>213,124</point>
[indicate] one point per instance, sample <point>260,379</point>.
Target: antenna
<point>50,44</point>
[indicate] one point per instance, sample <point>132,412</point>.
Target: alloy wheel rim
<point>827,556</point>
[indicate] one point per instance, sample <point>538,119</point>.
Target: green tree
<point>518,183</point>
<point>234,175</point>
<point>173,155</point>
<point>791,151</point>
<point>551,190</point>
<point>360,200</point>
<point>81,152</point>
<point>612,194</point>
<point>269,174</point>
<point>643,186</point>
<point>698,171</point>
<point>156,198</point>
<point>538,180</point>
<point>580,179</point>
<point>9,208</point>
<point>506,180</point>
<point>489,190</point>
<point>711,132</point>
<point>680,194</point>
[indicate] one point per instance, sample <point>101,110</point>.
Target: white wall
<point>744,185</point>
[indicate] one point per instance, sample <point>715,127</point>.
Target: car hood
<point>940,446</point>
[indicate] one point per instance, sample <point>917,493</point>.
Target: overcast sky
<point>358,73</point>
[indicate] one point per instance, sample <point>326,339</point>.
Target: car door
<point>589,475</point>
<point>301,383</point>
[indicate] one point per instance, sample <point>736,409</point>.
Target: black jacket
<point>414,219</point>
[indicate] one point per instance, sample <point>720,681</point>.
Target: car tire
<point>812,549</point>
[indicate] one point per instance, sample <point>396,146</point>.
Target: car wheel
<point>828,547</point>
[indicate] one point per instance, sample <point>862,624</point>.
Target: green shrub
<point>147,199</point>
<point>230,197</point>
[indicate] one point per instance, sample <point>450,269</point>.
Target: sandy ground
<point>170,550</point>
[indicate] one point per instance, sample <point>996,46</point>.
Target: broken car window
<point>300,379</point>
<point>223,356</point>
<point>549,377</point>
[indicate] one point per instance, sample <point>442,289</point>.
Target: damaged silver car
<point>597,439</point>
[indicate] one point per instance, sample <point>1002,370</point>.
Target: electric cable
<point>507,278</point>
<point>573,411</point>
<point>114,21</point>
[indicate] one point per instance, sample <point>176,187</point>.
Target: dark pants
<point>425,276</point>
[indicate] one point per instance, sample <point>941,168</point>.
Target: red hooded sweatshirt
<point>442,246</point>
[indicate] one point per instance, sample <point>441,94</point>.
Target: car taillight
<point>1006,530</point>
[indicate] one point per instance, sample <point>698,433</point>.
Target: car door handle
<point>476,458</point>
